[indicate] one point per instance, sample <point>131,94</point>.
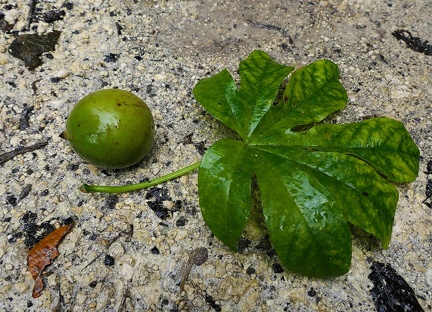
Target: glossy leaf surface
<point>314,179</point>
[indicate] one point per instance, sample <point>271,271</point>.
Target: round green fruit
<point>110,128</point>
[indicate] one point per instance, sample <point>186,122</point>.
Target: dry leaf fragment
<point>30,47</point>
<point>41,255</point>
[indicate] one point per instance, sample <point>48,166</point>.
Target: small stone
<point>93,284</point>
<point>168,204</point>
<point>181,221</point>
<point>184,179</point>
<point>277,268</point>
<point>159,77</point>
<point>242,244</point>
<point>11,199</point>
<point>250,271</point>
<point>11,16</point>
<point>111,57</point>
<point>109,261</point>
<point>111,202</point>
<point>62,74</point>
<point>3,59</point>
<point>127,271</point>
<point>312,292</point>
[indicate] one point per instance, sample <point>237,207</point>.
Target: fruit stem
<point>85,188</point>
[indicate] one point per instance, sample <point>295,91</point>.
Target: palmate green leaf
<point>313,183</point>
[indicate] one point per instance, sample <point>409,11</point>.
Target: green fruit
<point>110,129</point>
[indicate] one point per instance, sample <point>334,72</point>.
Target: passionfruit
<point>111,129</point>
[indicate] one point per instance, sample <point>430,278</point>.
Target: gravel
<point>125,252</point>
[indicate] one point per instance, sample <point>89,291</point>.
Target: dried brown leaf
<point>30,47</point>
<point>41,255</point>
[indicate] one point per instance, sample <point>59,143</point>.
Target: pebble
<point>3,59</point>
<point>159,77</point>
<point>10,16</point>
<point>62,73</point>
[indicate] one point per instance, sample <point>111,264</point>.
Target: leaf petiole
<point>85,188</point>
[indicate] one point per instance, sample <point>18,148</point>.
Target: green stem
<point>138,186</point>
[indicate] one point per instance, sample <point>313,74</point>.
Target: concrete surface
<point>159,50</point>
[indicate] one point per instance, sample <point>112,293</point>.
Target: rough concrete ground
<point>159,50</point>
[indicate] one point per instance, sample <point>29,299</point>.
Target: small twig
<point>271,27</point>
<point>122,306</point>
<point>57,287</point>
<point>91,262</point>
<point>20,150</point>
<point>25,191</point>
<point>197,257</point>
<point>426,199</point>
<point>251,284</point>
<point>34,86</point>
<point>25,116</point>
<point>32,10</point>
<point>224,43</point>
<point>128,237</point>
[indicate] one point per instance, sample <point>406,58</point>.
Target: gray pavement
<point>159,50</point>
